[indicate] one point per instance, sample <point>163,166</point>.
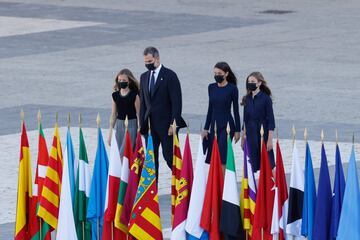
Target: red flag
<point>136,165</point>
<point>210,216</point>
<point>183,188</point>
<point>264,198</point>
<point>280,182</point>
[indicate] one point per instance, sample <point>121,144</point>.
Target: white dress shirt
<point>156,73</point>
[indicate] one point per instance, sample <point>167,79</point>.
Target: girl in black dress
<point>222,95</point>
<point>125,102</point>
<point>258,111</point>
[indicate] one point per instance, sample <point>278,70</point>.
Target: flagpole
<point>322,136</point>
<point>262,142</point>
<point>82,222</point>
<point>39,123</point>
<point>97,220</point>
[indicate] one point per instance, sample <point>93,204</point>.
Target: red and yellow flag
<point>50,196</point>
<point>176,172</point>
<point>26,225</point>
<point>145,216</point>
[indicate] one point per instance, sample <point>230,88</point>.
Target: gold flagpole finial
<point>174,126</point>
<point>39,116</point>
<point>149,125</point>
<point>126,122</point>
<point>98,120</point>
<point>306,135</point>
<point>69,119</point>
<point>215,129</point>
<point>188,127</point>
<point>56,118</point>
<point>322,135</point>
<point>22,116</point>
<point>353,138</point>
<point>293,132</point>
<point>337,136</point>
<point>80,120</point>
<point>228,128</point>
<point>262,131</point>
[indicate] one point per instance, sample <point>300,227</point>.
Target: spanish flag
<point>50,197</point>
<point>27,225</point>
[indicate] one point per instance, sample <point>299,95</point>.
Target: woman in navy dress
<point>258,111</point>
<point>222,94</point>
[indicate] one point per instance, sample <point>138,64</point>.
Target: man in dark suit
<point>160,103</point>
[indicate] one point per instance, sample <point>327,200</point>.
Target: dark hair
<point>152,51</point>
<point>231,78</point>
<point>133,83</point>
<point>263,87</point>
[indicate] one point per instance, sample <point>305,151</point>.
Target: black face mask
<point>251,86</point>
<point>123,85</point>
<point>219,78</point>
<point>150,66</point>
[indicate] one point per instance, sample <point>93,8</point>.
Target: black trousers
<point>166,143</point>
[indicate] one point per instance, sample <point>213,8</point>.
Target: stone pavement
<point>62,56</point>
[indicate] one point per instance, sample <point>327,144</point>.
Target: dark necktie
<point>152,83</point>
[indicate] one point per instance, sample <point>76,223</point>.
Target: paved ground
<point>63,55</point>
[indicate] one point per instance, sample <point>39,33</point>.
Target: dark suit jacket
<point>164,105</point>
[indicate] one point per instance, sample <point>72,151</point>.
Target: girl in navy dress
<point>222,95</point>
<point>258,111</point>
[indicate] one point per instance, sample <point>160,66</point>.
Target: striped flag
<point>121,229</point>
<point>145,217</point>
<point>296,196</point>
<point>96,204</point>
<point>66,225</point>
<point>280,210</point>
<point>112,189</point>
<point>50,197</point>
<point>136,166</point>
<point>183,193</point>
<point>27,224</point>
<point>175,176</point>
<point>195,232</point>
<point>248,193</point>
<point>82,192</point>
<point>230,220</point>
<point>210,216</point>
<point>42,162</point>
<point>309,204</point>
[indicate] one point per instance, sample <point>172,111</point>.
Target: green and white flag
<point>82,192</point>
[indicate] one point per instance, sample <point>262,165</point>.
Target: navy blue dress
<point>258,111</point>
<point>219,111</point>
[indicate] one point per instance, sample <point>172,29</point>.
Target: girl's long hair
<point>133,82</point>
<point>263,87</point>
<point>231,78</point>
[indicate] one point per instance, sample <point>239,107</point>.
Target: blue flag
<point>349,224</point>
<point>70,154</point>
<point>96,204</point>
<point>323,204</point>
<point>309,197</point>
<point>338,194</point>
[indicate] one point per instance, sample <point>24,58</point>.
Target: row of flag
<point>120,200</point>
